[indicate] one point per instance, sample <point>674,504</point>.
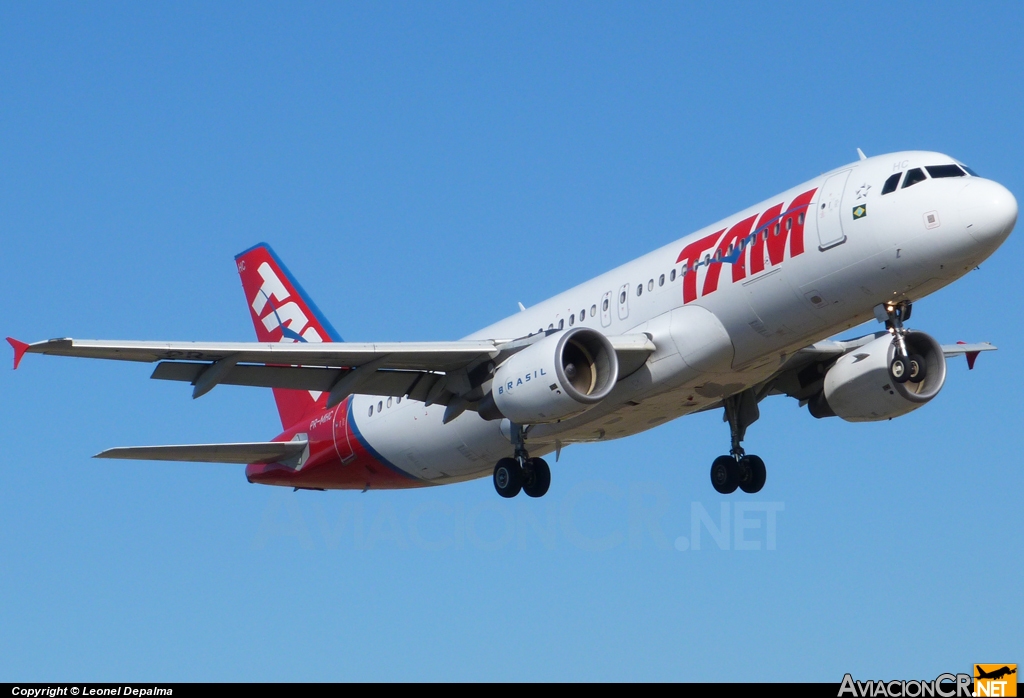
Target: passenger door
<point>342,434</point>
<point>829,211</point>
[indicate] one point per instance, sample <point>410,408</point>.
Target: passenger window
<point>561,324</point>
<point>604,306</point>
<point>380,406</point>
<point>639,289</point>
<point>789,223</point>
<point>650,285</point>
<point>572,319</point>
<point>593,310</point>
<point>622,297</point>
<point>389,403</point>
<point>672,275</point>
<point>913,177</point>
<point>371,411</point>
<point>890,184</point>
<point>942,171</point>
<point>398,400</point>
<point>583,315</point>
<point>661,280</point>
<point>551,326</point>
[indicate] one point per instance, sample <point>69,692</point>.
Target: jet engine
<point>560,376</point>
<point>859,387</point>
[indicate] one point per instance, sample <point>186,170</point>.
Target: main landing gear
<point>738,469</point>
<point>904,365</point>
<point>531,475</point>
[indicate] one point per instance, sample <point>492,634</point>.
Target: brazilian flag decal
<point>860,211</point>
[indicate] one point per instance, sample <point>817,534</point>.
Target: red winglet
<point>19,350</point>
<point>972,356</point>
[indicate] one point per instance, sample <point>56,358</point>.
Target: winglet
<point>972,356</point>
<point>19,350</point>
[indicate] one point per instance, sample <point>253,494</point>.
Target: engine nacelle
<point>858,387</point>
<point>560,376</point>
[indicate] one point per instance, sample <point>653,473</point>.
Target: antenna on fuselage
<point>861,154</point>
<point>521,307</point>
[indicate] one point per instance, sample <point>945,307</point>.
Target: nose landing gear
<point>738,470</point>
<point>904,365</point>
<point>521,473</point>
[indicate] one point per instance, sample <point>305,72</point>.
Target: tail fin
<point>282,312</point>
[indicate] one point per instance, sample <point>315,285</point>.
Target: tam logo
<point>275,311</point>
<point>293,323</point>
<point>746,244</point>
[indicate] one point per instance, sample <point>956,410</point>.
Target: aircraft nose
<point>988,210</point>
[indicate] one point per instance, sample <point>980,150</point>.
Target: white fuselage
<point>715,339</point>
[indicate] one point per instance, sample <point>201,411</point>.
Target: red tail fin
<point>282,312</point>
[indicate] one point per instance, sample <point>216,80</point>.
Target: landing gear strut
<point>738,469</point>
<point>904,365</point>
<point>521,473</point>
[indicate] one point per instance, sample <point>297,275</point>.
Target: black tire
<point>758,474</point>
<point>508,477</point>
<point>918,368</point>
<point>537,478</point>
<point>899,370</point>
<point>724,477</point>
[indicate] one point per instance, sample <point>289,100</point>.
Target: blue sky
<point>421,168</point>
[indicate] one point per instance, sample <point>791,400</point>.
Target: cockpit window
<point>971,172</point>
<point>890,184</point>
<point>940,171</point>
<point>913,177</point>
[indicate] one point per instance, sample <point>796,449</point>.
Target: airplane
<point>996,674</point>
<point>720,319</point>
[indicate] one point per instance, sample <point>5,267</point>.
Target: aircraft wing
<point>262,452</point>
<point>435,356</point>
<point>432,372</point>
<point>801,375</point>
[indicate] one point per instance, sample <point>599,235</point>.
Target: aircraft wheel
<point>918,370</point>
<point>537,477</point>
<point>899,369</point>
<point>724,475</point>
<point>756,474</point>
<point>508,477</point>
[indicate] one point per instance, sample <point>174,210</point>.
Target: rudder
<point>282,312</point>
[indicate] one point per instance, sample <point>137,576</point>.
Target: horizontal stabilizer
<point>290,452</point>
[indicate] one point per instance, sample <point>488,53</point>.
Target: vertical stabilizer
<point>282,312</point>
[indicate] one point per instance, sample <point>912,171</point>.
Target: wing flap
<point>393,383</point>
<point>242,453</point>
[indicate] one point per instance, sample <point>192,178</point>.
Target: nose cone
<point>988,211</point>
